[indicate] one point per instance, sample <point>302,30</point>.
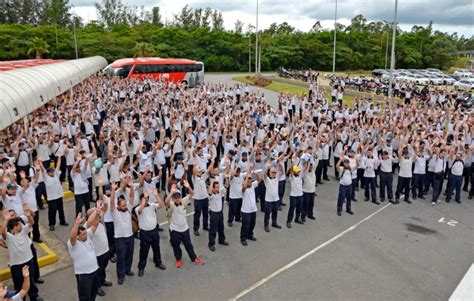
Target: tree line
<point>34,28</point>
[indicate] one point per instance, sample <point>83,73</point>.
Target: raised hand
<point>79,218</point>
<point>25,271</point>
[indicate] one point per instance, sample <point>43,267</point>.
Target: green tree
<point>38,46</point>
<point>143,49</point>
<point>56,12</point>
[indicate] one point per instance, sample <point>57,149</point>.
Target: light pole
<point>74,31</point>
<point>256,44</point>
<point>392,58</point>
<point>386,48</point>
<point>334,48</point>
<point>250,55</point>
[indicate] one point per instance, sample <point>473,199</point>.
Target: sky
<point>447,15</point>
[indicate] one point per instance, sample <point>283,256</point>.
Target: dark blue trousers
<point>216,227</point>
<point>370,185</point>
<point>124,249</point>
<point>270,208</point>
<point>308,205</point>
<point>437,186</point>
<point>345,193</point>
<point>281,191</point>
<point>454,183</point>
<point>386,184</point>
<point>417,185</point>
<point>234,210</point>
<point>149,239</point>
<point>201,206</point>
<point>296,202</point>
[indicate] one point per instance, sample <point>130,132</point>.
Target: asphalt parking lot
<point>383,252</point>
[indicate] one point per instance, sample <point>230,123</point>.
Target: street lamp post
<point>392,58</point>
<point>256,44</point>
<point>250,55</point>
<point>334,48</point>
<point>75,39</point>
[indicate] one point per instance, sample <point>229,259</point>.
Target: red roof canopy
<point>10,65</point>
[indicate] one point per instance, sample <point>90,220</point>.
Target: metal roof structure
<point>22,91</point>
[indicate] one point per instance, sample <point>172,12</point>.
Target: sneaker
<point>212,248</point>
<point>253,238</point>
<point>120,281</point>
<point>51,228</point>
<point>130,273</point>
<point>244,243</point>
<point>276,226</point>
<point>107,283</point>
<point>311,217</point>
<point>224,243</point>
<point>198,261</point>
<point>141,272</point>
<point>229,224</point>
<point>339,213</point>
<point>100,292</point>
<point>350,212</point>
<point>160,266</point>
<point>267,229</point>
<point>408,201</point>
<point>179,263</point>
<point>433,203</point>
<point>288,225</point>
<point>196,233</point>
<point>113,259</point>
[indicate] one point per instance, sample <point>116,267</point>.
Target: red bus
<point>172,70</point>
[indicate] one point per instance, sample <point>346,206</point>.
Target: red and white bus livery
<point>171,70</point>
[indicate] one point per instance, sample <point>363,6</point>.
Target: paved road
<point>385,252</point>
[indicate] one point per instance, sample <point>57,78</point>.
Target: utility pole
<point>392,59</point>
<point>386,48</point>
<point>259,58</point>
<point>250,55</point>
<point>334,49</point>
<point>75,38</point>
<point>256,44</point>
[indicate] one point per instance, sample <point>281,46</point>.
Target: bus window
<point>122,71</point>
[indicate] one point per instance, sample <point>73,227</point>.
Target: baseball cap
<point>50,170</point>
<point>176,195</point>
<point>346,160</point>
<point>107,187</point>
<point>232,152</point>
<point>296,168</point>
<point>11,186</point>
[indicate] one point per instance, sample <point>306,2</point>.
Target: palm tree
<point>39,47</point>
<point>143,49</point>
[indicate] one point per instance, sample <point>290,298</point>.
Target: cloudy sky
<point>447,15</point>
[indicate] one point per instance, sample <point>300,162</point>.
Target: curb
<point>45,260</point>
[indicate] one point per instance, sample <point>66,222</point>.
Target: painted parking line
<point>465,289</point>
<point>301,258</point>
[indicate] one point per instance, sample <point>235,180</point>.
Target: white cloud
<point>447,15</point>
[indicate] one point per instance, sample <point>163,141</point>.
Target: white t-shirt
<point>178,221</point>
<point>236,187</point>
<point>271,192</point>
<point>296,186</point>
<point>147,219</point>
<point>83,255</point>
<point>81,186</point>
<point>100,241</point>
<point>54,189</point>
<point>249,204</point>
<point>18,245</point>
<point>122,223</point>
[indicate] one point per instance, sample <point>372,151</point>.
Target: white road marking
<point>465,289</point>
<point>299,259</point>
<point>165,223</point>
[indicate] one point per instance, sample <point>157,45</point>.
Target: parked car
<point>379,72</point>
<point>435,79</point>
<point>448,80</point>
<point>464,84</point>
<point>417,79</point>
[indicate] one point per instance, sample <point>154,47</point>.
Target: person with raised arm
<point>149,235</point>
<point>179,229</point>
<point>249,206</point>
<point>122,217</point>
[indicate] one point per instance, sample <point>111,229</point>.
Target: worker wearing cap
<point>54,193</point>
<point>386,175</point>
<point>296,197</point>
<point>216,191</point>
<point>201,197</point>
<point>405,174</point>
<point>345,184</point>
<point>270,177</point>
<point>179,229</point>
<point>149,235</point>
<point>455,176</point>
<point>249,206</point>
<point>309,190</point>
